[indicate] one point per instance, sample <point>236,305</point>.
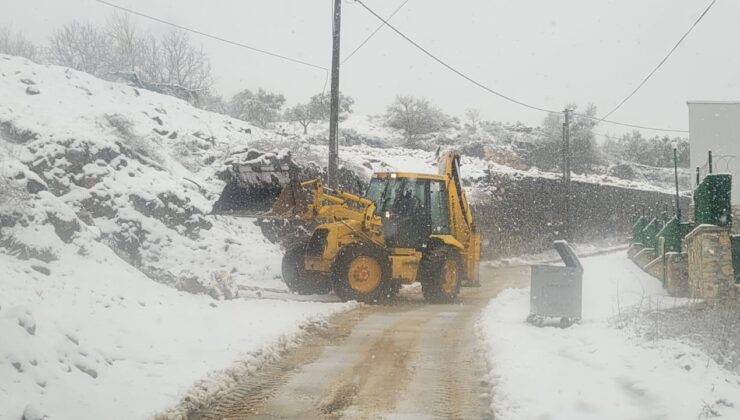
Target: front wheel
<point>295,275</point>
<point>362,273</point>
<point>440,274</point>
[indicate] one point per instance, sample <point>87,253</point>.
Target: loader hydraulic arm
<point>333,204</point>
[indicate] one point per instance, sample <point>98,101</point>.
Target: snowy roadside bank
<point>97,339</point>
<point>604,246</point>
<point>595,369</point>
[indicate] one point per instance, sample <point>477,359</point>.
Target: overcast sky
<point>544,52</point>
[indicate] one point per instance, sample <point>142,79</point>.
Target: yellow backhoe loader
<point>408,227</point>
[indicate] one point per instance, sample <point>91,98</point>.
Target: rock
<point>32,90</point>
<point>33,412</point>
<point>28,82</point>
<point>88,370</point>
<point>41,269</point>
<point>65,229</point>
<point>26,321</point>
<point>34,186</point>
<point>15,361</point>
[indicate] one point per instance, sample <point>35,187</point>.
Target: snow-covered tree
<point>548,150</point>
<point>415,116</point>
<point>127,43</point>
<point>320,105</point>
<point>16,43</point>
<point>473,117</point>
<point>261,108</point>
<point>318,108</point>
<point>81,46</point>
<point>302,114</point>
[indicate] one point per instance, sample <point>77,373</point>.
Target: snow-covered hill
<point>104,188</point>
<point>133,168</point>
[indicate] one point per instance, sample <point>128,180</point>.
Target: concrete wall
<point>523,215</point>
<point>715,126</point>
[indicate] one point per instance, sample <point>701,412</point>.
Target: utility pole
<point>334,111</point>
<point>566,175</point>
<point>675,172</point>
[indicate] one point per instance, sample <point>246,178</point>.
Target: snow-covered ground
<point>96,339</point>
<point>599,369</point>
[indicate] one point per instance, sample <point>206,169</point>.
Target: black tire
<point>432,270</point>
<point>295,275</point>
<point>377,291</point>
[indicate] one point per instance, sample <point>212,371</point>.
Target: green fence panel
<point>637,229</point>
<point>712,203</point>
<point>673,232</point>
<point>650,233</point>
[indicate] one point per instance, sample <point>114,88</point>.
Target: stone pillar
<point>736,219</point>
<point>710,263</point>
<point>677,274</point>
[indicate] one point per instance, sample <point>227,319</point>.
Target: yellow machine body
<point>351,219</point>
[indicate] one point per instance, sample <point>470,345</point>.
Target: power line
<point>454,70</point>
<point>499,94</point>
<point>374,32</point>
<point>218,38</point>
<point>662,61</point>
<point>643,127</point>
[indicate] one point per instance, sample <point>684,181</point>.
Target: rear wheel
<point>362,272</point>
<point>295,275</point>
<point>441,273</point>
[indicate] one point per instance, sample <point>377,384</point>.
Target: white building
<point>715,126</point>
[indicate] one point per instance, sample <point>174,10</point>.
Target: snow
<point>597,369</point>
<point>97,339</point>
<point>85,331</point>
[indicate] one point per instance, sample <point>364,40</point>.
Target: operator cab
<point>412,207</point>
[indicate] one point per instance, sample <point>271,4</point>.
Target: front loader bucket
<point>261,189</point>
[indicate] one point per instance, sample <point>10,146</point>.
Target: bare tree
<point>151,67</point>
<point>415,116</point>
<point>16,44</point>
<point>127,44</point>
<point>81,46</point>
<point>473,116</point>
<point>182,64</point>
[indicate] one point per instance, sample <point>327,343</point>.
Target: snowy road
<point>406,360</point>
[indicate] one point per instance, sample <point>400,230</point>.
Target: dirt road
<point>402,360</point>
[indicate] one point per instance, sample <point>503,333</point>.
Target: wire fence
<point>720,164</point>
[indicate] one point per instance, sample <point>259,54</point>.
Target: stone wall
<point>710,273</point>
<point>522,215</point>
<point>736,219</point>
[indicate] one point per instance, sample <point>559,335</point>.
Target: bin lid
<point>566,254</point>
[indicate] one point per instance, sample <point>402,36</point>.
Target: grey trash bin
<point>556,291</point>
